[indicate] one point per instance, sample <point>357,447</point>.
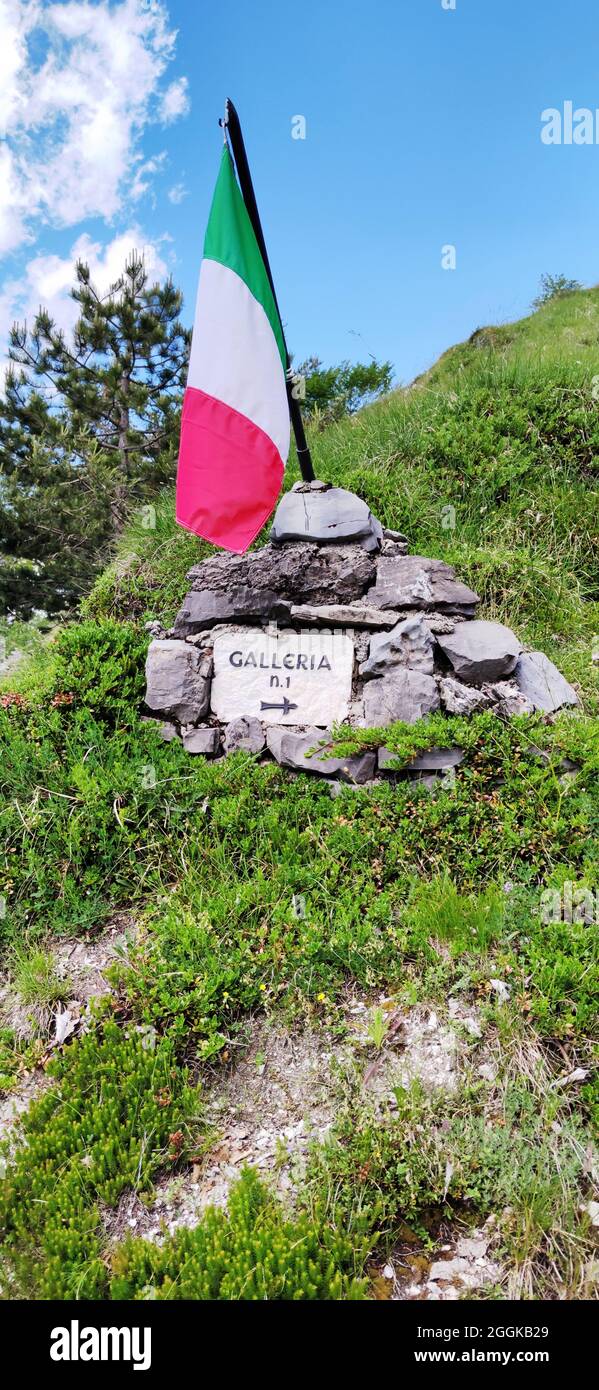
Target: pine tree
<point>329,393</point>
<point>88,427</point>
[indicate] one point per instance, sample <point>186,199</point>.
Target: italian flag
<point>235,424</point>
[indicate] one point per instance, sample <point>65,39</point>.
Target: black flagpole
<point>231,124</point>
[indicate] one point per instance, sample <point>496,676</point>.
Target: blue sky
<point>423,129</point>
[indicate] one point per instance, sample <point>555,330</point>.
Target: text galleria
<point>292,661</point>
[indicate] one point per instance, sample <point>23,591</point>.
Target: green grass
<point>35,977</point>
<point>488,462</point>
<point>521,1159</point>
<point>423,896</point>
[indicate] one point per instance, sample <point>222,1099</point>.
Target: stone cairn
<point>333,621</point>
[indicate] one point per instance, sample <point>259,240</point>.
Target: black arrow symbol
<point>285,706</point>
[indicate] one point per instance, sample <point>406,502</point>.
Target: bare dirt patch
<point>285,1093</point>
<point>282,1095</point>
<point>462,1263</point>
<point>17,1102</point>
<point>416,1047</point>
<point>82,965</point>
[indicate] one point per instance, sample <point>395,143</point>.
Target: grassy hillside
<point>415,906</point>
<point>489,461</point>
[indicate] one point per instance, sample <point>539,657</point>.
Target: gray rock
<point>178,680</point>
<point>375,540</point>
<point>338,788</point>
<point>264,583</point>
<point>361,640</point>
<point>433,760</point>
<point>290,748</point>
<point>206,608</point>
<point>167,732</point>
<point>401,694</point>
<point>205,741</point>
<point>501,696</point>
<point>207,639</point>
<point>246,735</point>
<point>355,713</point>
<point>436,760</point>
<point>461,699</point>
<point>431,780</point>
<point>342,615</point>
<point>390,535</point>
<point>409,644</point>
<point>540,682</point>
<point>387,761</point>
<point>324,514</point>
<point>507,699</point>
<point>393,548</point>
<point>438,622</point>
<point>275,734</point>
<point>435,622</point>
<point>412,581</point>
<point>481,651</point>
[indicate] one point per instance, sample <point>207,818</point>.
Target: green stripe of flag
<point>231,240</point>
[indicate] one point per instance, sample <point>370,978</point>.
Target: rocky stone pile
<point>333,621</point>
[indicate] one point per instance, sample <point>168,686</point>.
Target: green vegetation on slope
<point>489,462</point>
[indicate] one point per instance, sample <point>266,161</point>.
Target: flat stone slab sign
<point>282,677</point>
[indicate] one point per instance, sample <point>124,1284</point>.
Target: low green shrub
<point>94,819</point>
<point>560,962</point>
<point>442,1151</point>
<point>119,1109</point>
<point>252,1251</point>
<point>99,666</point>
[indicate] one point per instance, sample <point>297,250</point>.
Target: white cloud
<point>175,101</point>
<point>73,119</point>
<point>48,279</point>
<point>13,229</point>
<point>177,193</point>
<point>143,174</point>
<point>15,20</point>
